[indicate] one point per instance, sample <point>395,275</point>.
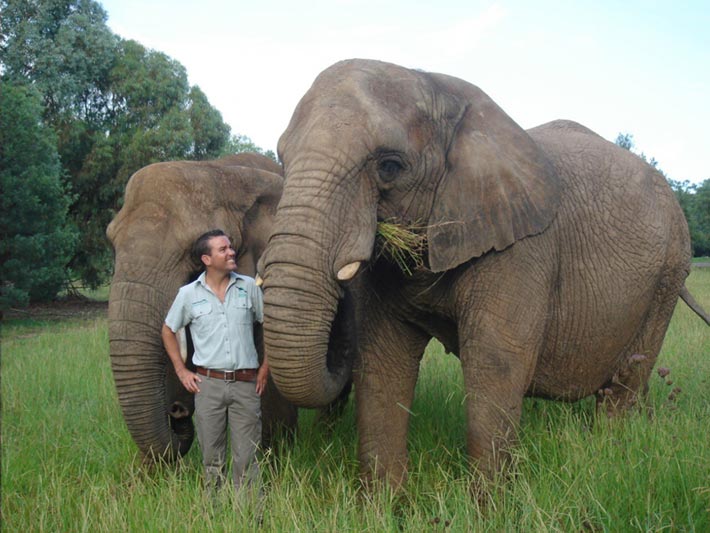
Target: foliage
<point>626,141</point>
<point>701,218</point>
<point>114,106</point>
<point>241,143</point>
<point>73,467</point>
<point>36,239</point>
<point>64,48</point>
<point>694,200</point>
<point>209,132</point>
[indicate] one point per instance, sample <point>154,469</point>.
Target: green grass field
<point>68,463</point>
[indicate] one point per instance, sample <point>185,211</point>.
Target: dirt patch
<point>71,307</point>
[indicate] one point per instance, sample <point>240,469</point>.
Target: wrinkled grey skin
<point>167,206</point>
<point>553,257</point>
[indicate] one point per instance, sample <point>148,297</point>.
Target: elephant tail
<point>695,306</point>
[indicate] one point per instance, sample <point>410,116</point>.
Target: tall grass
<point>68,463</point>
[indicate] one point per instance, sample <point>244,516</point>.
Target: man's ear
<point>206,260</point>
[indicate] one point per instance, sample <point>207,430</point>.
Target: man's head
<point>213,249</point>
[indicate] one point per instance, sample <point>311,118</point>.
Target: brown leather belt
<point>245,374</point>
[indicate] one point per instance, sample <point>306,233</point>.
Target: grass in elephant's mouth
<point>401,244</point>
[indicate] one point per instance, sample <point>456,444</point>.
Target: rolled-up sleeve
<point>178,316</point>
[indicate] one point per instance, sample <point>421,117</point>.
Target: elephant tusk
<point>259,280</point>
<point>348,271</point>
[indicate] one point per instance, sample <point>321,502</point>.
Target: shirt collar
<point>233,277</point>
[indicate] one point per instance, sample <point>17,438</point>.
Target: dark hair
<point>202,245</point>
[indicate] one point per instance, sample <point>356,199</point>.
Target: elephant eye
<point>389,170</point>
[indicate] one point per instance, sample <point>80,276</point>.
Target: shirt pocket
<point>201,310</point>
<point>241,308</point>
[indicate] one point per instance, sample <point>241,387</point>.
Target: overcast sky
<point>639,67</point>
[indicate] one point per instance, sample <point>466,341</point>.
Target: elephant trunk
<point>155,406</point>
<point>309,312</point>
<point>305,334</point>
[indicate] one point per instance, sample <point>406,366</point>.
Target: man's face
<point>222,255</point>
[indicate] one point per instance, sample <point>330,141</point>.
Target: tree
<point>701,218</point>
<point>114,106</point>
<point>241,143</point>
<point>695,202</point>
<point>210,133</point>
<point>36,239</point>
<point>626,141</point>
<point>65,49</point>
<point>154,115</point>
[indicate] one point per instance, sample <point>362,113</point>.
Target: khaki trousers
<point>223,406</point>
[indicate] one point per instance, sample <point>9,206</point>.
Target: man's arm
<point>262,376</point>
<point>188,379</point>
<point>263,373</point>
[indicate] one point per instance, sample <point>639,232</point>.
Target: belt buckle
<point>230,375</point>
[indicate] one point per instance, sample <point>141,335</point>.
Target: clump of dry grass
<point>401,244</point>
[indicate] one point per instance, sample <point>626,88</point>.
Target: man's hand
<point>189,380</point>
<point>261,377</point>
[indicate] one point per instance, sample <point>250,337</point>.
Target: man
<point>221,307</point>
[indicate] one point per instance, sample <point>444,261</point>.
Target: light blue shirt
<point>222,333</point>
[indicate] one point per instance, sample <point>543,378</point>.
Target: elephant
<point>167,205</point>
<point>551,265</point>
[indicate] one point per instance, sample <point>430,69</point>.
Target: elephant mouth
<point>403,245</point>
<point>342,342</point>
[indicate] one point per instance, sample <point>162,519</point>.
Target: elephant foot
<point>627,387</point>
<point>277,436</point>
<point>376,477</point>
<point>484,491</point>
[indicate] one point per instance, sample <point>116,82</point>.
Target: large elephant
<point>554,259</point>
<point>167,206</point>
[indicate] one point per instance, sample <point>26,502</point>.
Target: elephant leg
<point>384,378</point>
<point>495,390</point>
<point>501,337</point>
<point>630,382</point>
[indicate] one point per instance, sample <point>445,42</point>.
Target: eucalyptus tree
<point>114,106</point>
<point>36,238</point>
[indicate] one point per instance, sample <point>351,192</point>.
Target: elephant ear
<point>250,201</point>
<point>498,186</point>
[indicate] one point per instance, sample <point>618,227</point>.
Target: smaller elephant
<point>167,205</point>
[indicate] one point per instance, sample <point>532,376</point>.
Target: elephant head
<point>369,142</point>
<point>167,206</point>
